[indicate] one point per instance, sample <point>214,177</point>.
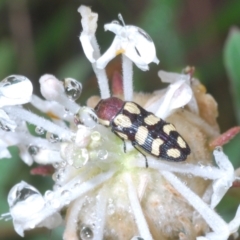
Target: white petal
<point>46,156</point>
<point>132,54</point>
<point>178,95</point>
<point>4,153</point>
<point>48,107</point>
<point>135,43</point>
<point>169,77</point>
<point>112,52</point>
<point>235,223</point>
<point>89,19</point>
<point>5,122</point>
<point>114,27</point>
<point>15,89</point>
<point>25,155</point>
<point>87,46</point>
<point>50,87</point>
<point>145,46</point>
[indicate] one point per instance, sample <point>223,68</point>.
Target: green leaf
<point>232,64</point>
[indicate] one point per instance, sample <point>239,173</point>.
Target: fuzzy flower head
<point>110,189</point>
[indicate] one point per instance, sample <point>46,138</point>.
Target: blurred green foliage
<point>40,36</point>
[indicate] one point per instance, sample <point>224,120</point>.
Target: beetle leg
<point>146,161</point>
<point>124,146</point>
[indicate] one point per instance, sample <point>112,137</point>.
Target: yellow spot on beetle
<point>123,121</point>
<point>141,135</point>
<point>173,152</point>
<point>156,145</point>
<point>168,128</point>
<point>104,122</point>
<point>151,119</point>
<point>181,142</point>
<point>122,135</point>
<point>132,108</point>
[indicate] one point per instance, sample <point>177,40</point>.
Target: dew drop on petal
<point>86,232</point>
<point>87,117</point>
<point>56,165</point>
<point>102,154</point>
<point>23,194</point>
<point>111,209</point>
<point>6,124</point>
<point>55,203</point>
<point>33,150</point>
<point>95,136</point>
<point>53,138</point>
<point>63,164</point>
<point>48,195</point>
<point>80,157</point>
<point>73,88</point>
<point>218,148</point>
<point>4,127</point>
<point>66,194</point>
<point>39,130</point>
<point>77,185</point>
<point>11,90</point>
<point>137,238</point>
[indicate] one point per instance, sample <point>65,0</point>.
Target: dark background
<point>41,36</point>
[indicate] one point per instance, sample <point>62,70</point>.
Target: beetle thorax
<point>107,109</point>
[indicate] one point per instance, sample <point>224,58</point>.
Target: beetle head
<point>107,109</point>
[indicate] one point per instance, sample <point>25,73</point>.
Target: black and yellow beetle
<point>146,131</point>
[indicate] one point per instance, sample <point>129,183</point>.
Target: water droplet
<point>80,157</point>
<point>39,130</point>
<point>218,148</point>
<point>56,186</point>
<point>200,164</point>
<point>73,88</point>
<point>137,238</point>
<point>56,165</point>
<point>111,209</point>
<point>87,117</point>
<point>63,164</point>
<point>95,136</point>
<point>4,127</point>
<point>55,203</point>
<point>102,154</point>
<point>66,194</point>
<point>53,138</point>
<point>86,232</point>
<point>48,195</point>
<point>23,194</point>
<point>33,150</point>
<point>77,185</point>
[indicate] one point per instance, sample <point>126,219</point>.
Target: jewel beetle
<point>146,131</point>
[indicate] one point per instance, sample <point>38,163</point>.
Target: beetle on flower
<point>107,193</point>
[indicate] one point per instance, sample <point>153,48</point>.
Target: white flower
<point>131,41</point>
